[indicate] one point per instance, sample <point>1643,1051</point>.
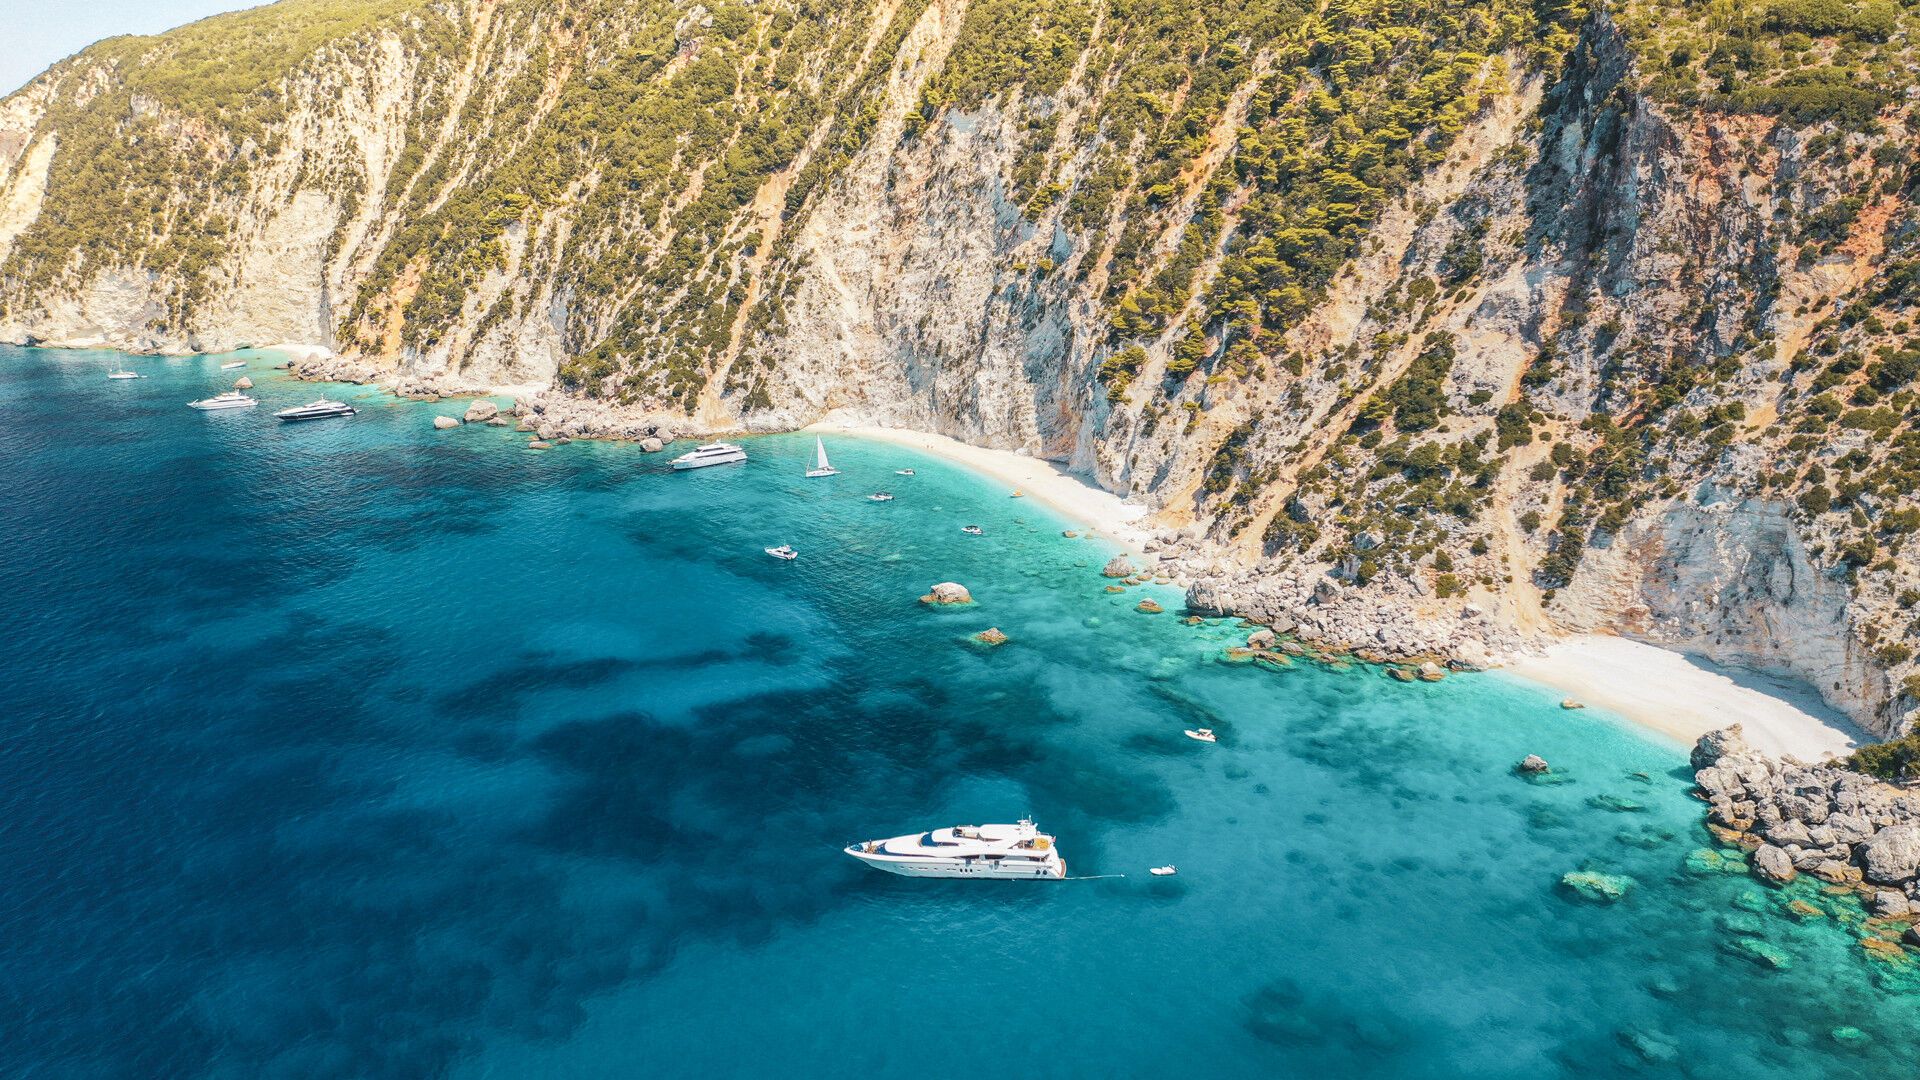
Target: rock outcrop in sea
<point>1840,826</point>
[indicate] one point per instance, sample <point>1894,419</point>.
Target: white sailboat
<point>123,373</point>
<point>821,466</point>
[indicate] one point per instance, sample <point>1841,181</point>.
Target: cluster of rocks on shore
<point>1376,621</point>
<point>1828,822</point>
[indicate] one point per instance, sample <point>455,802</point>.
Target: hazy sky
<point>38,32</point>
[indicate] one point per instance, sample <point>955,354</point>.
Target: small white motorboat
<point>971,530</point>
<point>1163,871</point>
<point>903,472</point>
<point>124,374</point>
<point>235,364</point>
<point>880,496</point>
<point>1205,734</point>
<point>821,466</point>
<point>232,399</point>
<point>783,552</point>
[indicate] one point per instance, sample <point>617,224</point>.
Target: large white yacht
<point>989,851</point>
<point>718,453</point>
<point>232,399</point>
<point>318,410</point>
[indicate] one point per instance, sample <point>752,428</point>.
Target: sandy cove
<point>1088,508</point>
<point>1685,698</point>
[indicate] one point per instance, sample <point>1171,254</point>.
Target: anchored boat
<point>821,466</point>
<point>1018,852</point>
<point>232,399</point>
<point>719,453</point>
<point>317,410</point>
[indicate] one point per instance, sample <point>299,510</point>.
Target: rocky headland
<point>1846,829</point>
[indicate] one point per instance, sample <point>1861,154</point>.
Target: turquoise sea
<point>359,749</point>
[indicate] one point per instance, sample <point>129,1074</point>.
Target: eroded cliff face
<point>1428,329</point>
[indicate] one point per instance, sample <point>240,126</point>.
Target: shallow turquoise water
<point>353,748</point>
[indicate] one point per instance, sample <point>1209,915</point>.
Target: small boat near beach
<point>317,410</point>
<point>232,399</point>
<point>903,472</point>
<point>971,530</point>
<point>1164,871</point>
<point>719,453</point>
<point>821,466</point>
<point>1019,851</point>
<point>235,364</point>
<point>1204,734</point>
<point>880,496</point>
<point>783,552</point>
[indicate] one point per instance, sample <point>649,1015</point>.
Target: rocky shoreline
<point>1846,829</point>
<point>1375,625</point>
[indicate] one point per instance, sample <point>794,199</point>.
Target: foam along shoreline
<point>1085,506</point>
<point>1685,697</point>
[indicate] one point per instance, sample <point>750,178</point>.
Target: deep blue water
<point>359,749</point>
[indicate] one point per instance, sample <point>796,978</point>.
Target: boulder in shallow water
<point>243,383</point>
<point>1532,764</point>
<point>1757,951</point>
<point>1892,856</point>
<point>1069,533</point>
<point>1889,904</point>
<point>991,636</point>
<point>1851,1036</point>
<point>1432,672</point>
<point>1148,607</point>
<point>1118,567</point>
<point>1400,674</point>
<point>482,411</point>
<point>948,592</point>
<point>445,423</point>
<point>1260,639</point>
<point>1569,703</point>
<point>539,444</point>
<point>1728,741</point>
<point>1595,887</point>
<point>651,445</point>
<point>1774,864</point>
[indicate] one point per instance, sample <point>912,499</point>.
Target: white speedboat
<point>124,374</point>
<point>232,399</point>
<point>1205,734</point>
<point>718,453</point>
<point>783,552</point>
<point>235,364</point>
<point>970,530</point>
<point>880,496</point>
<point>903,472</point>
<point>1164,871</point>
<point>1018,851</point>
<point>317,410</point>
<point>821,466</point>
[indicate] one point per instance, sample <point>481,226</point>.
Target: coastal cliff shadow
<point>1796,692</point>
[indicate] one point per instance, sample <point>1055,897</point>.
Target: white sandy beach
<point>1088,507</point>
<point>1685,698</point>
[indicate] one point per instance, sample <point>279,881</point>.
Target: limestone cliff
<point>1432,327</point>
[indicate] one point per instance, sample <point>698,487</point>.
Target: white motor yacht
<point>232,399</point>
<point>970,530</point>
<point>1019,851</point>
<point>718,453</point>
<point>1205,734</point>
<point>880,496</point>
<point>783,552</point>
<point>235,364</point>
<point>318,410</point>
<point>124,374</point>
